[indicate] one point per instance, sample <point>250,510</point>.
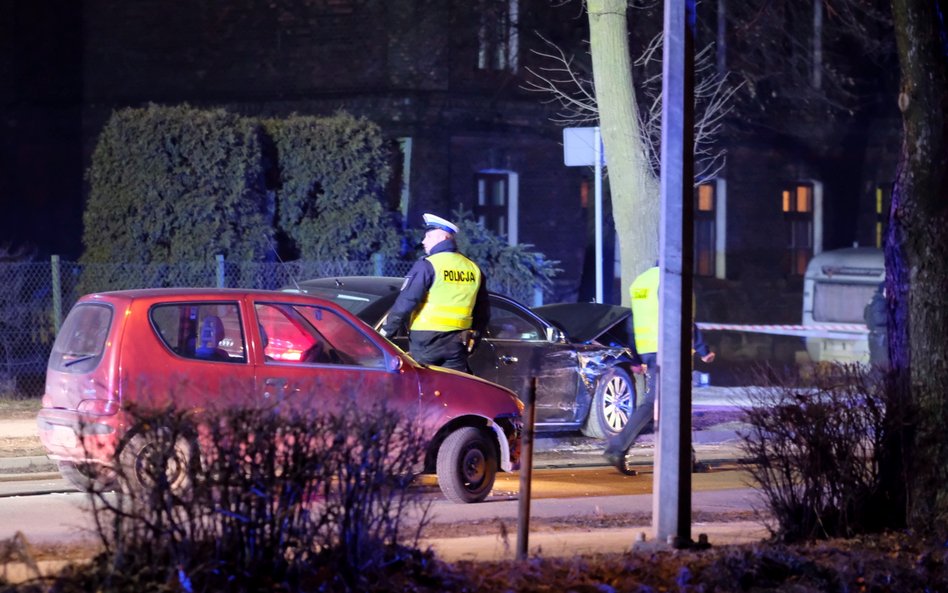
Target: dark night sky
<point>41,176</point>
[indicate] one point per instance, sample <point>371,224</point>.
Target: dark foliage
<point>332,176</point>
<point>258,500</point>
<point>892,562</point>
<point>818,447</point>
<point>514,270</point>
<point>171,184</point>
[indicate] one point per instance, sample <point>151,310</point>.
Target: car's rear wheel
<point>157,461</point>
<point>612,405</point>
<point>467,465</point>
<point>87,477</point>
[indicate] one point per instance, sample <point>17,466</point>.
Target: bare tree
<point>631,135</point>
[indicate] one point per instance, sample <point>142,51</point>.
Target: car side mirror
<point>393,363</point>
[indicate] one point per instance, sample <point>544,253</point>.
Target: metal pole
<point>597,151</point>
<point>220,270</point>
<point>57,293</point>
<point>526,471</point>
<point>378,263</point>
<point>672,482</point>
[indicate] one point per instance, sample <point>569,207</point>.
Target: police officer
<point>643,294</point>
<point>443,301</point>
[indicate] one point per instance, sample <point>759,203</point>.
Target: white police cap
<point>436,222</point>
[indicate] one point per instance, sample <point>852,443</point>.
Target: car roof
<point>371,285</point>
<point>368,297</point>
<point>195,293</point>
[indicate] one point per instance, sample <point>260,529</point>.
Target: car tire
<point>612,405</point>
<point>141,456</point>
<point>86,477</point>
<point>467,465</point>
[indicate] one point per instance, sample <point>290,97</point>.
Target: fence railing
<point>35,296</point>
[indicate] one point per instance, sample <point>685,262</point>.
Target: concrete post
<point>671,519</point>
<point>57,292</point>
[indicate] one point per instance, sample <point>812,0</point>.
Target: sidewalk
<point>464,543</point>
<point>566,544</point>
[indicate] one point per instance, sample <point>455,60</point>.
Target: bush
<point>260,500</point>
<point>818,452</point>
<point>176,184</point>
<point>332,176</point>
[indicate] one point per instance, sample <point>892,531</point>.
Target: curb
<point>26,467</point>
<point>30,476</point>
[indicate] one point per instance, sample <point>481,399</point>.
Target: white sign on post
<point>582,147</point>
<point>579,147</point>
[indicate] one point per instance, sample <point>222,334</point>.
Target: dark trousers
<point>642,414</point>
<point>445,349</point>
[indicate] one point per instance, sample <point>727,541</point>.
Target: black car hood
<point>585,322</point>
<point>368,297</point>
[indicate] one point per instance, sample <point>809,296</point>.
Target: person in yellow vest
<point>643,293</point>
<point>443,301</point>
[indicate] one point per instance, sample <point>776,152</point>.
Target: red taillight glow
<point>99,407</point>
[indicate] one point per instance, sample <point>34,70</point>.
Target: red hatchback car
<point>203,346</point>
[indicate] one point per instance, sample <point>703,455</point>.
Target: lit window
<point>497,36</point>
<point>491,209</point>
<point>704,229</point>
<point>797,203</point>
<point>883,199</point>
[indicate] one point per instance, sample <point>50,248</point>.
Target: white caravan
<point>836,289</point>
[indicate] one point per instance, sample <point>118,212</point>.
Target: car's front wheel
<point>467,465</point>
<point>612,405</point>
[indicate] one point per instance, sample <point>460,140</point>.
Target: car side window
<point>506,324</point>
<point>308,334</point>
<point>201,331</point>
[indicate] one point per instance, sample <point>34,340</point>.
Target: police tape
<point>836,331</point>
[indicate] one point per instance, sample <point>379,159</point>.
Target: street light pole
<point>671,513</point>
<point>598,156</point>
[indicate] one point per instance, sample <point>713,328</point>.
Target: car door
<point>520,346</point>
<point>203,355</point>
<point>315,358</point>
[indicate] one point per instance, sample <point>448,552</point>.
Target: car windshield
<point>304,333</point>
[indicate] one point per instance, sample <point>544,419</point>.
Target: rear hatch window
<point>81,341</point>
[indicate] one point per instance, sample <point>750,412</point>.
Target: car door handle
<point>278,384</point>
<point>508,359</point>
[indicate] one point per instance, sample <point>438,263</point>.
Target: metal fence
<point>35,296</point>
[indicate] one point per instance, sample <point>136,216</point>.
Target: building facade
<point>445,80</point>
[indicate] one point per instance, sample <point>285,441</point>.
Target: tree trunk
<point>917,262</point>
<point>632,185</point>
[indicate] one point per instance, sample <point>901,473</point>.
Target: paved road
<point>715,417</point>
<point>570,483</point>
<point>582,497</point>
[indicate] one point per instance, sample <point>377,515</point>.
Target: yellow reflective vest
<point>644,297</point>
<point>449,303</point>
